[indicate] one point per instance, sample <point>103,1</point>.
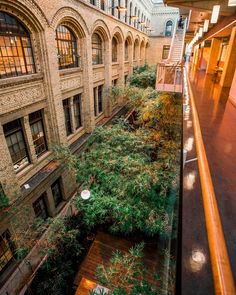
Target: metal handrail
<point>221,269</point>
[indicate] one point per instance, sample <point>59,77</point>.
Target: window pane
<point>56,192</point>
<point>13,59</point>
<point>16,144</point>
<point>67,48</point>
<point>40,208</point>
<point>77,111</point>
<point>67,116</point>
<point>97,49</point>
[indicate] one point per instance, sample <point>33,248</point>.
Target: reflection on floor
<point>218,124</point>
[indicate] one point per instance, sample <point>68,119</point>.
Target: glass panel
<point>56,192</point>
<point>67,48</point>
<point>14,38</point>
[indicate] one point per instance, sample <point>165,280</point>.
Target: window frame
<point>97,50</point>
<point>114,49</point>
<point>57,201</point>
<point>77,100</point>
<point>165,51</point>
<point>45,209</point>
<point>9,244</point>
<point>16,51</point>
<point>67,116</point>
<point>64,44</point>
<point>14,131</point>
<point>32,122</point>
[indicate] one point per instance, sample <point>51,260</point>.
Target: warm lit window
<point>6,250</point>
<point>16,144</point>
<point>67,116</point>
<point>38,134</point>
<point>126,50</point>
<point>16,55</point>
<point>77,111</point>
<point>40,208</point>
<point>98,100</point>
<point>169,26</point>
<point>165,52</point>
<point>56,192</point>
<point>97,47</point>
<point>114,50</point>
<point>67,48</point>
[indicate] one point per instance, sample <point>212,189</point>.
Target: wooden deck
<point>101,252</point>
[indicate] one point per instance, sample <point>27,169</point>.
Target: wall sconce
<point>120,8</point>
<point>133,17</point>
<point>142,23</point>
<point>215,14</point>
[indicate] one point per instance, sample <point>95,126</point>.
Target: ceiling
<point>199,10</point>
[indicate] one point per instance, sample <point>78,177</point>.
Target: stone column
<point>108,77</point>
<point>214,53</point>
<point>53,90</point>
<point>121,70</point>
<point>88,105</point>
<point>230,62</point>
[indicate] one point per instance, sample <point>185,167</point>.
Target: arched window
<point>169,26</point>
<point>135,14</point>
<point>130,13</point>
<point>114,50</point>
<point>126,50</point>
<point>97,49</point>
<point>67,48</point>
<point>136,47</point>
<point>16,55</point>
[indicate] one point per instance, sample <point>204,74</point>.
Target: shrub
<point>143,77</point>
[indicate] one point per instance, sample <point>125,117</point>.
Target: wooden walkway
<point>100,253</point>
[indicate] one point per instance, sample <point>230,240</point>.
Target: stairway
<point>177,45</point>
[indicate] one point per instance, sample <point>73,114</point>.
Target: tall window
<point>119,14</point>
<point>165,52</point>
<point>126,12</point>
<point>135,14</point>
<point>113,7</point>
<point>67,48</point>
<point>102,4</point>
<point>56,192</point>
<point>77,111</point>
<point>16,55</point>
<point>40,208</point>
<point>16,144</point>
<point>169,26</point>
<point>114,49</point>
<point>93,2</point>
<point>38,134</point>
<point>67,116</point>
<point>98,100</point>
<point>126,50</point>
<point>135,56</point>
<point>97,47</point>
<point>6,250</point>
<point>130,13</point>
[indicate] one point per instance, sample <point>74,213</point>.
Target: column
<point>230,62</point>
<point>214,53</point>
<point>108,78</point>
<point>88,105</point>
<point>52,83</point>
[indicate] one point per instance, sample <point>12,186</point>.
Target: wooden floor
<point>100,253</point>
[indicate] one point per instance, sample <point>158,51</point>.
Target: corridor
<point>218,125</point>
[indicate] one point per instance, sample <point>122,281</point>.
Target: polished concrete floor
<point>218,124</point>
